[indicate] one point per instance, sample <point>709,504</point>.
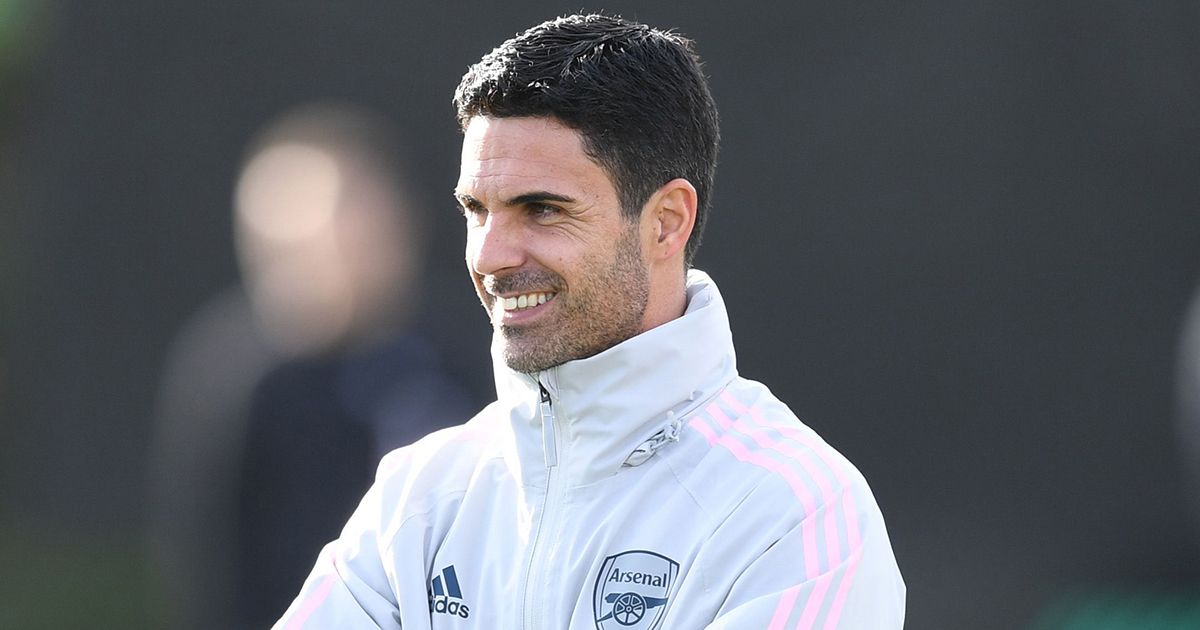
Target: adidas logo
<point>445,596</point>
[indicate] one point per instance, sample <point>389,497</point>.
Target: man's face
<point>558,269</point>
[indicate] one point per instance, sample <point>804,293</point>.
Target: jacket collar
<point>608,404</point>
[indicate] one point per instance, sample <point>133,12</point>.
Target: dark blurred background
<point>958,238</point>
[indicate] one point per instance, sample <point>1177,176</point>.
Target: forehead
<point>505,157</point>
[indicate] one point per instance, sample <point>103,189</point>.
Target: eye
<point>543,210</point>
<point>472,213</point>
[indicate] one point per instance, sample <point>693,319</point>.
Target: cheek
<point>559,261</point>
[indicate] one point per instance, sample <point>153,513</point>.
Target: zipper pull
<point>645,450</point>
<point>549,445</point>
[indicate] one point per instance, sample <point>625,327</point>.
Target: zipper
<point>549,431</point>
<point>532,613</point>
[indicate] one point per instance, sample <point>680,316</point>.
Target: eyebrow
<point>539,196</point>
<point>467,201</point>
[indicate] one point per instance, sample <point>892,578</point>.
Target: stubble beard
<point>604,308</point>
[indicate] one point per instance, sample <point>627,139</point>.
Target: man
<point>626,477</point>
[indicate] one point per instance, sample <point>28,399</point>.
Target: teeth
<point>526,300</point>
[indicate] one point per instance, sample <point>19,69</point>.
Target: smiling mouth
<point>524,301</point>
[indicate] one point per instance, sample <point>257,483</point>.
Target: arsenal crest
<point>632,590</point>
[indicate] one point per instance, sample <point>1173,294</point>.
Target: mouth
<point>524,301</point>
<point>522,309</point>
<point>519,299</point>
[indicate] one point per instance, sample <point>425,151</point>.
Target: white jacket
<point>648,486</point>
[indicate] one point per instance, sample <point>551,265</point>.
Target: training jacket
<point>646,487</point>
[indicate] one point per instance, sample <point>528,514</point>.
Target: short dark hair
<point>635,94</point>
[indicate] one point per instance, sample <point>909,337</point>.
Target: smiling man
<point>626,476</point>
<point>561,270</point>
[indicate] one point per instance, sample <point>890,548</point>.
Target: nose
<point>495,245</point>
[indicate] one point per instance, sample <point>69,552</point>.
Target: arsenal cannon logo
<point>632,590</point>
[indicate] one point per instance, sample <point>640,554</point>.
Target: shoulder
<point>426,475</point>
<point>750,453</point>
<point>423,483</point>
<point>445,452</point>
<point>767,481</point>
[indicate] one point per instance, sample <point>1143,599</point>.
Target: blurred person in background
<point>280,395</point>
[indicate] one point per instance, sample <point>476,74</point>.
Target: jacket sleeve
<point>348,586</point>
<point>858,588</point>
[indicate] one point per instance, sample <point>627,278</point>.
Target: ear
<point>668,218</point>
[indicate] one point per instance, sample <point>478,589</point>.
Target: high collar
<point>609,403</point>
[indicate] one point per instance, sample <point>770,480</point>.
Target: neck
<point>668,298</point>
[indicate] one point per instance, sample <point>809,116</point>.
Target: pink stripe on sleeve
<point>314,601</point>
<point>820,448</point>
<point>839,600</point>
<point>812,565</point>
<point>853,535</point>
<point>813,606</point>
<point>784,610</point>
<point>833,551</point>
